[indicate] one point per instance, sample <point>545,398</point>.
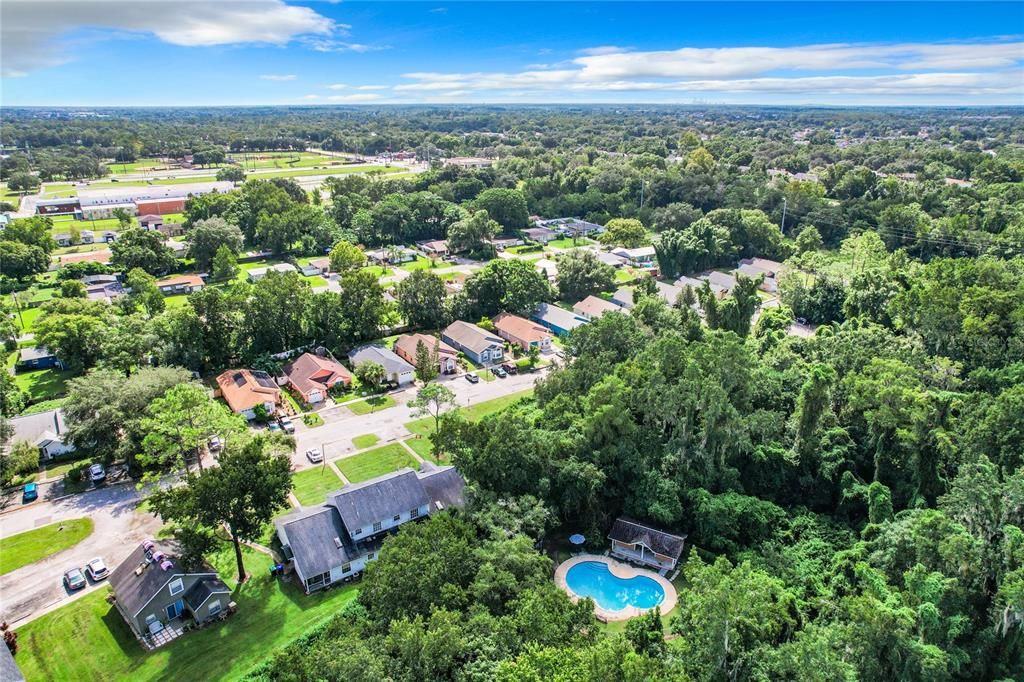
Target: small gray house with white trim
<point>153,591</point>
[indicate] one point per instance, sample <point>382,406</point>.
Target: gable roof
<point>631,532</point>
<point>244,389</point>
<point>136,589</point>
<point>721,279</point>
<point>310,372</point>
<point>408,343</point>
<point>520,328</point>
<point>444,486</point>
<point>37,427</point>
<point>203,590</point>
<point>471,336</point>
<point>151,218</point>
<point>623,297</point>
<point>668,292</point>
<point>362,504</point>
<point>34,353</point>
<point>316,539</point>
<point>558,317</point>
<point>593,306</point>
<point>385,357</point>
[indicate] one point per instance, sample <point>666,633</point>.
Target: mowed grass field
<point>312,485</point>
<point>377,462</point>
<point>89,640</point>
<point>31,546</point>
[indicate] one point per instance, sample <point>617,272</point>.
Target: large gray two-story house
<point>335,540</point>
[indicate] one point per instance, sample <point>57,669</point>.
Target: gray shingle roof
<point>135,591</point>
<point>35,353</point>
<point>362,504</point>
<point>559,317</point>
<point>201,591</point>
<point>310,536</point>
<point>9,671</point>
<point>444,486</point>
<point>31,427</point>
<point>385,357</point>
<point>630,532</point>
<point>468,335</point>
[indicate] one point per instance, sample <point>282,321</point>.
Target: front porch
<point>642,555</point>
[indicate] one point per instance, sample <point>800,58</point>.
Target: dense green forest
<point>853,500</point>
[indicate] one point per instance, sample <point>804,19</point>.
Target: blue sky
<point>225,52</point>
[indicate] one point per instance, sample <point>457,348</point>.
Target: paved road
<point>35,589</point>
<point>334,438</point>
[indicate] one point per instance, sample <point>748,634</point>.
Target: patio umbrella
<point>577,539</point>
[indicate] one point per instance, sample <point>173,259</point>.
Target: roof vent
<point>158,556</point>
<point>166,565</point>
<point>148,545</point>
<point>337,542</point>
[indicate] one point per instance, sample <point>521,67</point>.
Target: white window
<point>150,619</point>
<point>215,607</point>
<point>377,526</point>
<point>177,586</point>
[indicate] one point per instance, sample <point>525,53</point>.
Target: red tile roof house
<point>522,332</point>
<point>447,356</point>
<point>313,376</point>
<point>183,284</point>
<point>244,389</point>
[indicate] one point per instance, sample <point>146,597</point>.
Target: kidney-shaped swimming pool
<point>593,579</point>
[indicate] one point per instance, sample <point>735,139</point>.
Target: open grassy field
<point>259,160</point>
<point>372,404</point>
<point>373,463</point>
<point>89,640</point>
<point>312,485</point>
<point>43,384</point>
<point>31,546</point>
<point>137,166</point>
<point>425,426</point>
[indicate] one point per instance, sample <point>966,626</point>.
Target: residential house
<point>62,238</point>
<point>397,371</point>
<point>312,376</point>
<point>504,241</point>
<point>44,430</point>
<point>9,670</point>
<point>755,267</point>
<point>698,284</point>
<point>180,249</point>
<point>558,320</point>
<point>153,591</point>
<point>406,345</point>
<point>548,268</point>
<point>87,236</point>
<point>541,235</point>
<point>180,284</point>
<point>109,236</point>
<point>641,257</point>
<point>151,222</point>
<point>479,345</point>
<point>434,248</point>
<point>317,266</point>
<point>571,227</point>
<point>246,389</point>
<point>392,256</point>
<point>334,541</point>
<point>522,332</point>
<point>719,279</point>
<point>668,292</point>
<point>610,259</point>
<point>257,274</point>
<point>623,298</point>
<point>642,544</point>
<point>592,307</point>
<point>38,357</point>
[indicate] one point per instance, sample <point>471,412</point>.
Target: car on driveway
<point>286,424</point>
<point>96,569</point>
<point>472,378</point>
<point>499,372</point>
<point>74,579</point>
<point>314,455</point>
<point>97,474</point>
<point>29,492</point>
<point>215,444</point>
<point>273,427</point>
<point>510,368</point>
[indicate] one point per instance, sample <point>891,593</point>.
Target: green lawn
<point>377,402</point>
<point>89,640</point>
<point>27,318</point>
<point>422,447</point>
<point>367,440</point>
<point>312,485</point>
<point>376,462</point>
<point>312,420</point>
<point>43,384</point>
<point>568,243</point>
<point>316,281</point>
<point>60,467</point>
<point>622,276</point>
<point>425,426</point>
<point>378,270</point>
<point>421,263</point>
<point>485,374</point>
<point>31,546</point>
<point>43,406</point>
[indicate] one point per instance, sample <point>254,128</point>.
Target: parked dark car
<point>472,378</point>
<point>499,372</point>
<point>74,579</point>
<point>510,368</point>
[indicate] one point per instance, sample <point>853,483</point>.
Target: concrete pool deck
<point>619,570</point>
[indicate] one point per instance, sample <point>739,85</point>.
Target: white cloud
<point>311,97</point>
<point>373,87</point>
<point>278,77</point>
<point>32,29</point>
<point>337,86</point>
<point>331,45</point>
<point>605,49</point>
<point>355,98</point>
<point>910,70</point>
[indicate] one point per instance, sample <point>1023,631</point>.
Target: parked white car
<point>314,455</point>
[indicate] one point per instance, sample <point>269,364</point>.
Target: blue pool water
<point>593,579</point>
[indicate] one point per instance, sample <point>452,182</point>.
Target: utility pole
<point>782,227</point>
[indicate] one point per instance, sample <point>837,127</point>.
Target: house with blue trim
<point>558,320</point>
<point>38,357</point>
<point>479,345</point>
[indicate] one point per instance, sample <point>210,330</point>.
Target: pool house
<point>642,544</point>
